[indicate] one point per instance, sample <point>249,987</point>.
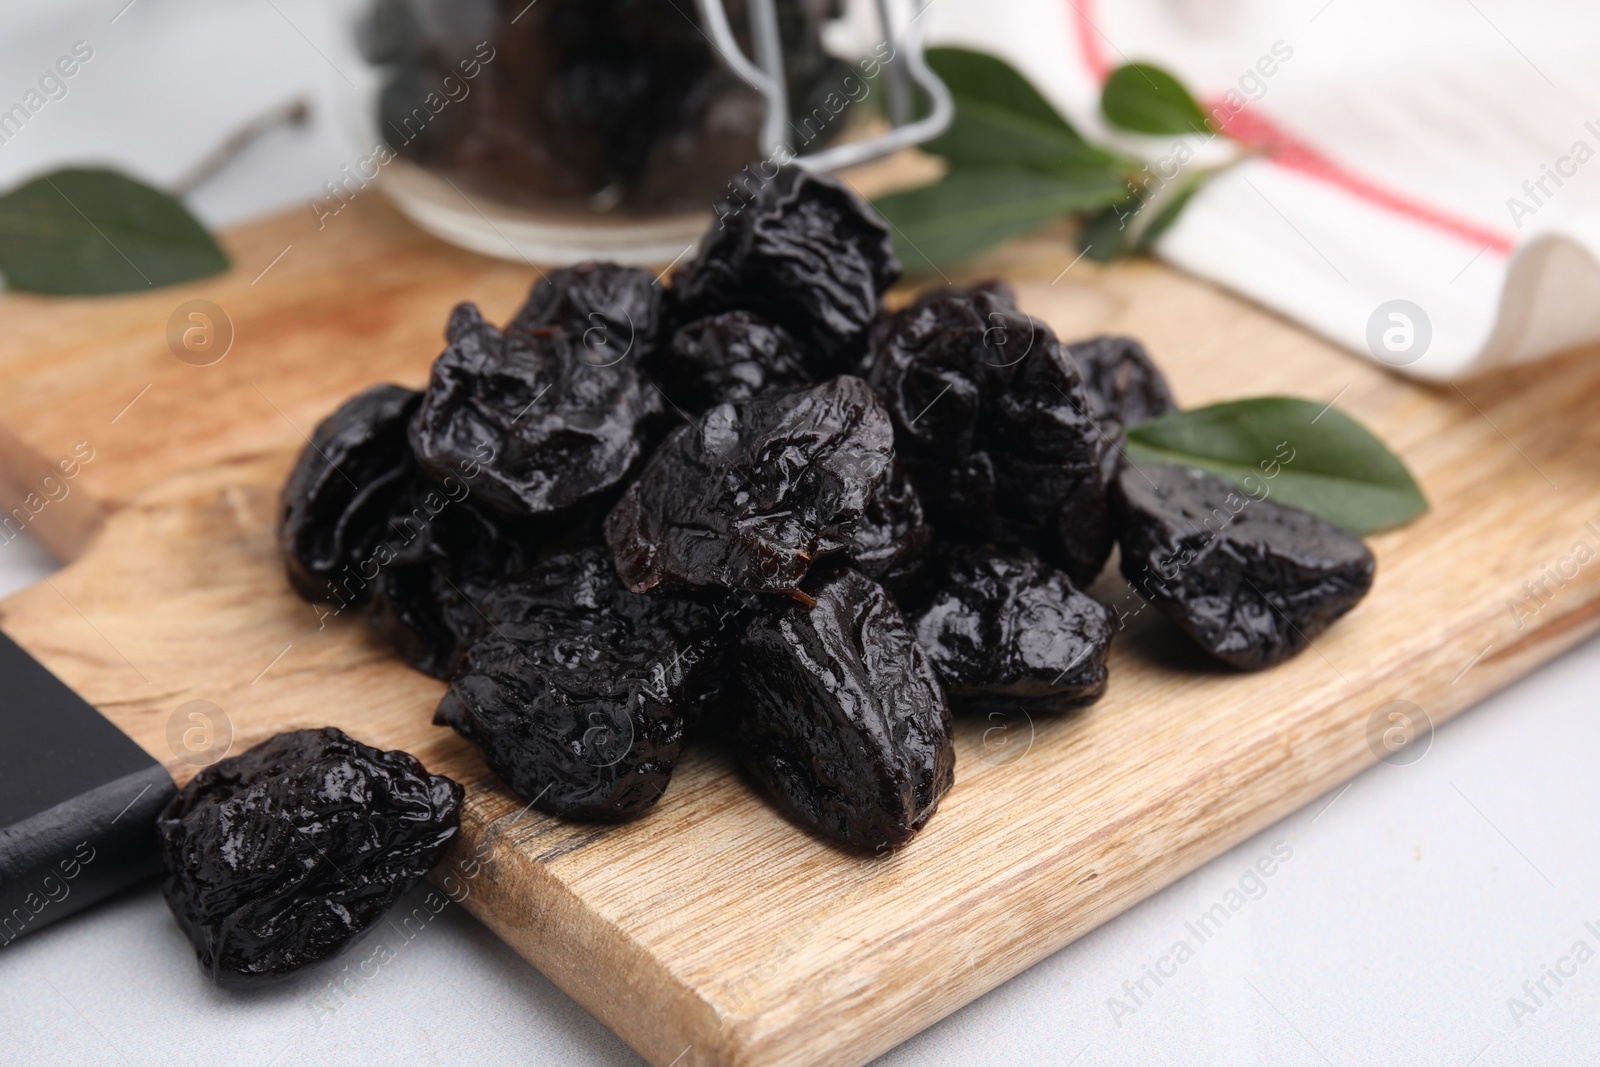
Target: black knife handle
<point>78,800</point>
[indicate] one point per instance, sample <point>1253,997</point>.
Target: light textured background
<point>1415,902</point>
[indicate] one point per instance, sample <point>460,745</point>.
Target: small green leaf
<point>1146,99</point>
<point>87,232</point>
<point>1002,121</point>
<point>1295,452</point>
<point>969,211</point>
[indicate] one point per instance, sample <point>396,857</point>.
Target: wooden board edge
<point>659,1016</point>
<point>42,501</point>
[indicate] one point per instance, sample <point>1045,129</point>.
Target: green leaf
<point>86,232</point>
<point>1146,99</point>
<point>990,80</point>
<point>1295,452</point>
<point>969,211</point>
<point>1125,229</point>
<point>1002,121</point>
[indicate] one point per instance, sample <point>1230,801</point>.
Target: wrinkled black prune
<point>803,250</point>
<point>1004,629</point>
<point>550,424</point>
<point>752,495</point>
<point>337,499</point>
<point>1251,581</point>
<point>614,311</point>
<point>577,692</point>
<point>1123,385</point>
<point>892,538</point>
<point>278,857</point>
<point>843,720</point>
<point>994,427</point>
<point>440,557</point>
<point>728,357</point>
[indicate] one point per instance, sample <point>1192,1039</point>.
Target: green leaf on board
<point>1123,229</point>
<point>89,232</point>
<point>990,80</point>
<point>1296,452</point>
<point>1002,121</point>
<point>969,211</point>
<point>1146,99</point>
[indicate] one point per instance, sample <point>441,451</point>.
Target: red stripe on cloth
<point>1292,153</point>
<point>1287,150</point>
<point>1089,46</point>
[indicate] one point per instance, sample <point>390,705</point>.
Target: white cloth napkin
<point>1442,154</point>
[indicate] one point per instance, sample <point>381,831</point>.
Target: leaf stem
<point>294,112</point>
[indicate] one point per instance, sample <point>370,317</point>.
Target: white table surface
<point>1415,903</point>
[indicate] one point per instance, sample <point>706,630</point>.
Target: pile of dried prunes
<point>758,509</point>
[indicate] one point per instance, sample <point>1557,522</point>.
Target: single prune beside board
<point>994,426</point>
<point>1005,630</point>
<point>802,250</point>
<point>1251,581</point>
<point>278,857</point>
<point>842,718</point>
<point>729,357</point>
<point>613,311</point>
<point>577,692</point>
<point>550,422</point>
<point>337,500</point>
<point>751,495</point>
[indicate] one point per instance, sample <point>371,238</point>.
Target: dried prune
<point>751,496</point>
<point>844,721</point>
<point>548,426</point>
<point>1251,581</point>
<point>1123,385</point>
<point>1004,629</point>
<point>890,541</point>
<point>440,557</point>
<point>337,499</point>
<point>929,365</point>
<point>613,311</point>
<point>278,857</point>
<point>804,251</point>
<point>577,692</point>
<point>728,357</point>
<point>994,427</point>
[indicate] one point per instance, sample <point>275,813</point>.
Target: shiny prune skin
<point>1122,383</point>
<point>441,557</point>
<point>1005,630</point>
<point>427,617</point>
<point>337,498</point>
<point>755,492</point>
<point>1251,581</point>
<point>577,693</point>
<point>802,250</point>
<point>843,721</point>
<point>280,856</point>
<point>614,311</point>
<point>550,421</point>
<point>994,428</point>
<point>891,541</point>
<point>729,357</point>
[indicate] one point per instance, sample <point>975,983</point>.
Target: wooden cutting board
<point>713,932</point>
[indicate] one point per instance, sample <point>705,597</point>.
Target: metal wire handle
<point>766,76</point>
